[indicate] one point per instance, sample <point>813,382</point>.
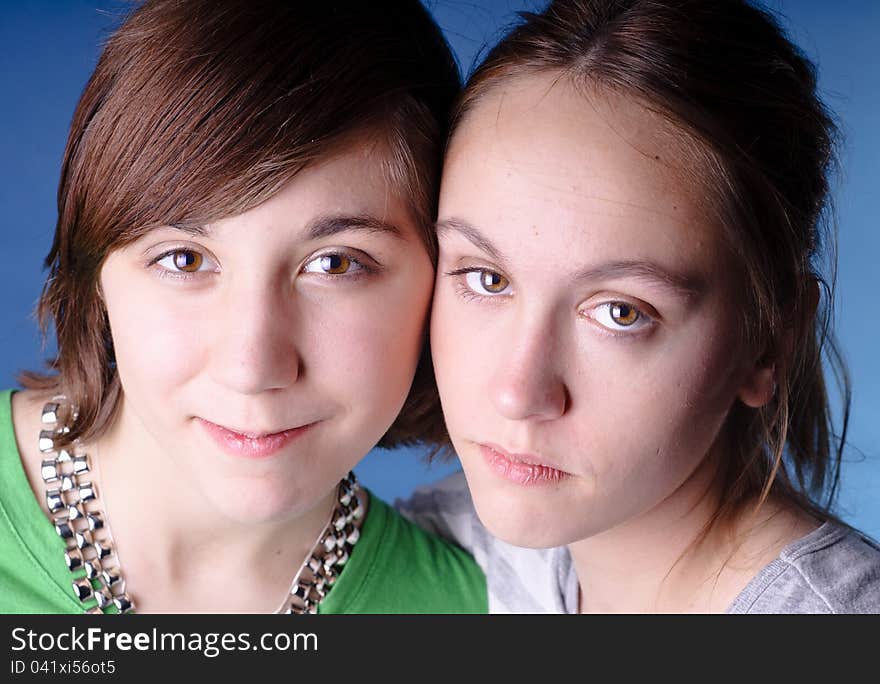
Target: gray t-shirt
<point>833,569</point>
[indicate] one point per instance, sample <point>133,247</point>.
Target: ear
<point>759,386</point>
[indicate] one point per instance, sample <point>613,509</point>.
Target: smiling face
<point>261,358</point>
<point>585,327</point>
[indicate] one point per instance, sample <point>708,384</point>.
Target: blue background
<point>48,52</point>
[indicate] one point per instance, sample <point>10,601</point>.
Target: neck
<point>179,555</point>
<point>651,563</point>
<point>667,561</point>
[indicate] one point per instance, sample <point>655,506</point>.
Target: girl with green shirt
<point>239,284</point>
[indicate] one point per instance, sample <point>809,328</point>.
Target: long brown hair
<point>203,109</point>
<point>725,75</point>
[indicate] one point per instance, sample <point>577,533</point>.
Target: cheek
<point>370,345</point>
<point>155,340</point>
<point>668,407</point>
<point>459,366</point>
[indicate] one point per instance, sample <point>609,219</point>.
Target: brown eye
<point>493,282</point>
<point>623,314</point>
<point>187,260</point>
<point>335,264</point>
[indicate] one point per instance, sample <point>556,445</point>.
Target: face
<point>262,357</point>
<point>584,329</point>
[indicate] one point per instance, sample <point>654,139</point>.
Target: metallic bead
<point>80,464</point>
<point>339,522</point>
<point>64,530</point>
<point>49,471</point>
<point>341,556</point>
<point>301,590</point>
<point>104,598</point>
<point>110,576</point>
<point>50,413</point>
<point>64,456</point>
<point>102,550</point>
<point>74,559</point>
<point>86,492</point>
<point>47,441</point>
<point>352,535</point>
<point>82,539</point>
<point>123,603</point>
<point>73,512</point>
<point>53,500</point>
<point>93,569</point>
<point>95,521</point>
<point>82,589</point>
<point>67,483</point>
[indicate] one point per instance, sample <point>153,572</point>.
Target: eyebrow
<point>327,226</point>
<point>320,227</point>
<point>195,229</point>
<point>473,235</point>
<point>684,285</point>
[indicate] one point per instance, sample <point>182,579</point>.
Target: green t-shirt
<point>396,567</point>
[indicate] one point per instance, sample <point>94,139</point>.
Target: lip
<point>252,445</point>
<point>526,470</point>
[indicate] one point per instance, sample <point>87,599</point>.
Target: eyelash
<point>638,328</point>
<point>362,268</point>
<point>165,272</point>
<point>467,292</point>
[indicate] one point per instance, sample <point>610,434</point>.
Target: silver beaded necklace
<point>73,504</point>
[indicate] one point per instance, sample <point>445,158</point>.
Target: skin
<point>585,327</point>
<point>258,338</point>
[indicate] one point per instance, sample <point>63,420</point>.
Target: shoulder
<point>397,567</point>
<point>834,569</point>
<point>423,549</point>
<point>444,508</point>
<point>20,426</point>
<point>33,576</point>
<point>22,414</point>
<point>519,580</point>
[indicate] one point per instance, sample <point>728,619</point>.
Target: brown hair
<point>724,74</point>
<point>202,109</point>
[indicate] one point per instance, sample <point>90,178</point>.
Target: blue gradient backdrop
<point>49,49</point>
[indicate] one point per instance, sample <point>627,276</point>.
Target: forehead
<point>355,177</point>
<point>587,135</point>
<point>537,150</point>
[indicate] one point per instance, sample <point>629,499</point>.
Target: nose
<point>527,383</point>
<point>255,348</point>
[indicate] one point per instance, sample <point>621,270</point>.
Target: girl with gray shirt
<point>630,317</point>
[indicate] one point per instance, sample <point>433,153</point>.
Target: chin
<point>520,528</point>
<point>255,503</point>
<point>529,519</point>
